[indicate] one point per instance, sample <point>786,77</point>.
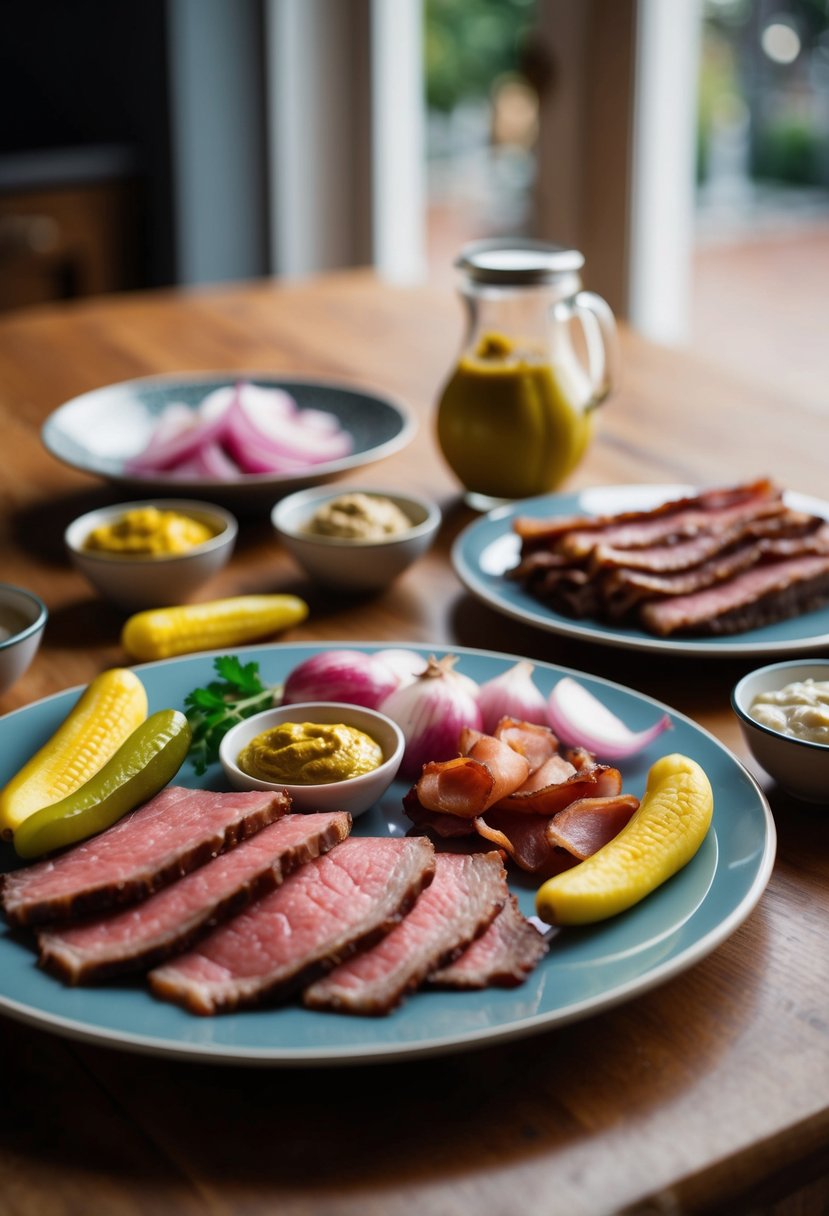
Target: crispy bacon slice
<point>535,533</point>
<point>438,823</point>
<point>670,527</point>
<point>759,596</point>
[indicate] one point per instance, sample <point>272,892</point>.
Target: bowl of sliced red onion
<point>233,437</point>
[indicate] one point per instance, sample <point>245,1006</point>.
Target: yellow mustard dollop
<point>310,753</point>
<point>147,531</point>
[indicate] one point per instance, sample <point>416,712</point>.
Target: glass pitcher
<point>516,415</point>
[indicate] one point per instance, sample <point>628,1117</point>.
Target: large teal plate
<point>489,547</point>
<point>587,970</point>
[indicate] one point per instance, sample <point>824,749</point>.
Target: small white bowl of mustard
<point>354,539</point>
<point>151,554</point>
<point>327,755</point>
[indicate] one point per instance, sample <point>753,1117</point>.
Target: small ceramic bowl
<point>356,794</point>
<point>155,580</point>
<point>797,765</point>
<point>22,621</point>
<point>348,564</point>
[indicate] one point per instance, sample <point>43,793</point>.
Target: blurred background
<point>683,146</point>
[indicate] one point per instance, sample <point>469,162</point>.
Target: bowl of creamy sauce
<point>783,712</point>
<point>799,709</point>
<point>327,755</point>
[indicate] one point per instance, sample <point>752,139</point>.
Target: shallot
<point>432,711</point>
<point>581,719</point>
<point>354,677</point>
<point>512,694</point>
<point>406,664</point>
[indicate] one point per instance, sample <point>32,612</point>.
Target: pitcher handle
<point>601,341</point>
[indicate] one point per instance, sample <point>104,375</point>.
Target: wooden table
<point>708,1094</point>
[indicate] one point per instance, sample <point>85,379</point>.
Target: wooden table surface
<point>709,1093</point>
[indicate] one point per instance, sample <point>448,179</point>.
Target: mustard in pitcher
<point>516,415</point>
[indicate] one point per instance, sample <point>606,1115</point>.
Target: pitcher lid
<point>506,261</point>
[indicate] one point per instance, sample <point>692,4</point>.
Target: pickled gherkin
<point>147,760</point>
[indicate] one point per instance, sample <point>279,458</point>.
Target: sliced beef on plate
<point>502,957</point>
<point>320,915</point>
<point>174,917</point>
<point>165,838</point>
<point>760,596</point>
<point>466,894</point>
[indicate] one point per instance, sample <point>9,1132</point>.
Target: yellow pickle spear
<point>143,765</point>
<point>160,633</point>
<point>660,838</point>
<point>106,713</point>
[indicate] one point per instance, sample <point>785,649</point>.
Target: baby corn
<point>108,711</point>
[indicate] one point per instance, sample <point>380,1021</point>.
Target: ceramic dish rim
<point>34,626</point>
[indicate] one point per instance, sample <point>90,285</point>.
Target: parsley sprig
<point>211,711</point>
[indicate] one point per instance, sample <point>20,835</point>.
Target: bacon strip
<point>759,596</point>
<point>587,824</point>
<point>545,818</point>
<point>524,839</point>
<point>469,784</point>
<point>601,781</point>
<point>535,742</point>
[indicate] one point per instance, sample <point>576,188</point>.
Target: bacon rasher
<point>519,792</point>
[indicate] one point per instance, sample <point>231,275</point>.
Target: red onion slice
<point>579,718</point>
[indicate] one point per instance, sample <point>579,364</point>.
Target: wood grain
<point>707,1094</point>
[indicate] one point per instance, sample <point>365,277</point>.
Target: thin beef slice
<point>172,834</point>
<point>330,907</point>
<point>173,918</point>
<point>467,893</point>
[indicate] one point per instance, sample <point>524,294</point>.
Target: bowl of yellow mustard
<point>151,554</point>
<point>327,755</point>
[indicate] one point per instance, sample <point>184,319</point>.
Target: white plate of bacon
<point>580,972</point>
<point>725,571</point>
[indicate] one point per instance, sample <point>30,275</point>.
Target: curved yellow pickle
<point>160,633</point>
<point>660,838</point>
<point>106,714</point>
<point>142,766</point>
